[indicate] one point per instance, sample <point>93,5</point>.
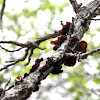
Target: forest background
<point>26,20</point>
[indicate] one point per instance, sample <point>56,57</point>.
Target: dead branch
<point>11,50</point>
<point>75,5</point>
<point>2,12</point>
<point>94,51</point>
<point>95,19</point>
<point>29,45</point>
<point>3,93</point>
<point>95,92</point>
<point>16,61</point>
<point>30,55</point>
<point>16,43</point>
<point>90,53</point>
<point>31,82</point>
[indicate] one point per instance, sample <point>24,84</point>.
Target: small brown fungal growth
<point>65,29</point>
<point>69,60</point>
<point>18,79</point>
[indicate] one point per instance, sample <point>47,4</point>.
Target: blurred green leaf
<point>97,81</point>
<point>32,24</point>
<point>1,1</point>
<point>26,12</point>
<point>47,5</point>
<point>36,51</point>
<point>98,29</point>
<point>72,89</point>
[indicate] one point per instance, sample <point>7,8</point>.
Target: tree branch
<point>2,12</point>
<point>29,58</point>
<point>95,19</point>
<point>31,82</point>
<point>90,53</point>
<point>29,45</point>
<point>75,5</point>
<point>16,61</point>
<point>82,19</point>
<point>95,92</point>
<point>11,50</point>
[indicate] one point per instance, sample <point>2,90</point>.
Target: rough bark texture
<point>81,25</point>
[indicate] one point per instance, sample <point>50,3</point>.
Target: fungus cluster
<point>74,46</point>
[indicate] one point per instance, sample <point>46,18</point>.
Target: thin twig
<point>84,54</point>
<point>15,43</point>
<point>10,61</point>
<point>33,43</point>
<point>7,83</point>
<point>39,47</point>
<point>4,90</point>
<point>95,19</point>
<point>16,61</point>
<point>29,58</point>
<point>93,91</point>
<point>11,50</point>
<point>2,12</point>
<point>46,37</point>
<point>90,53</point>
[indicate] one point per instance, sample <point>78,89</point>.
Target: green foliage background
<point>74,81</point>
